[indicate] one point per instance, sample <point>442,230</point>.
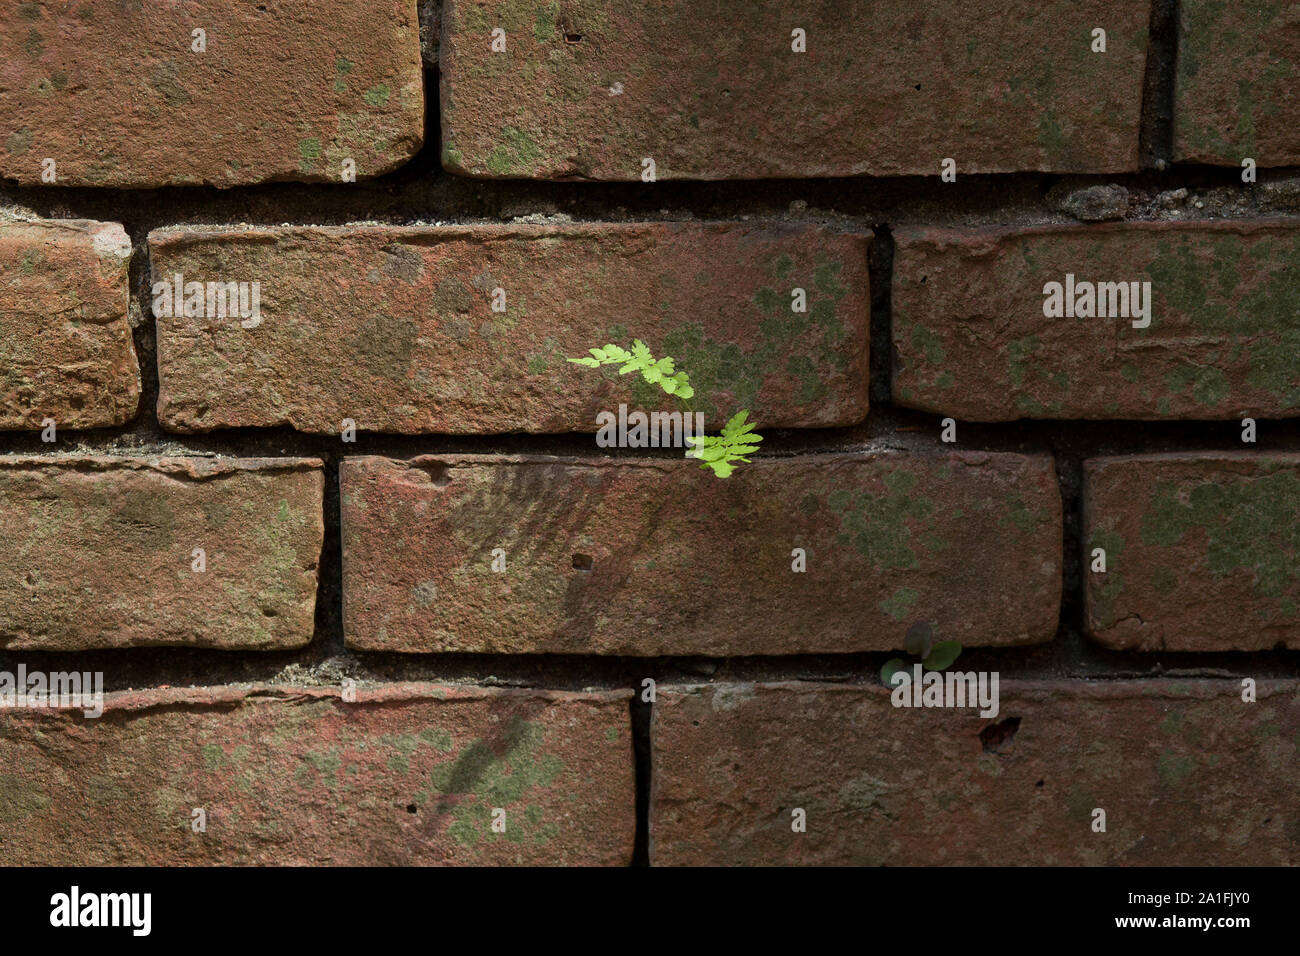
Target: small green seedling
<point>719,451</point>
<point>920,641</point>
<point>657,372</point>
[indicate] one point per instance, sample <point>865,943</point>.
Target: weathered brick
<point>586,91</point>
<point>115,94</point>
<point>406,774</point>
<point>1234,83</point>
<point>1187,773</point>
<point>680,562</point>
<point>64,331</point>
<point>99,551</point>
<point>394,328</point>
<point>972,340</point>
<point>1202,551</point>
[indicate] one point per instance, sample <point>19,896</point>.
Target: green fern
<point>659,372</point>
<point>719,451</point>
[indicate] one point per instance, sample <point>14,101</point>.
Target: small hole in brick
<point>997,737</point>
<point>1039,784</point>
<point>573,38</point>
<point>582,562</point>
<point>439,473</point>
<point>410,808</point>
<point>269,612</point>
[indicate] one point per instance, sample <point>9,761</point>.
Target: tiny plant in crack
<point>920,642</point>
<point>718,453</point>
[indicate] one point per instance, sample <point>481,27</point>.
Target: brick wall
<point>361,584</point>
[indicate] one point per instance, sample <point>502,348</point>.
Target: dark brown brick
<point>1202,551</point>
<point>393,327</point>
<point>1235,80</point>
<point>64,332</point>
<point>99,552</point>
<point>587,91</point>
<point>406,774</point>
<point>972,340</point>
<point>114,93</point>
<point>1187,772</point>
<point>681,562</point>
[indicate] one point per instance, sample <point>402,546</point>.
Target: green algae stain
<point>811,388</point>
<point>54,83</point>
<point>213,756</point>
<point>1248,525</point>
<point>484,776</point>
<point>1211,295</point>
<point>516,155</point>
<point>326,763</point>
<point>928,344</point>
<point>309,150</point>
<point>376,96</point>
<point>544,24</point>
<point>19,142</point>
<point>899,604</point>
<point>34,45</point>
<point>20,798</point>
<point>768,300</point>
<point>1174,768</point>
<point>1018,354</point>
<point>1273,367</point>
<point>1020,515</point>
<point>724,367</point>
<point>879,527</point>
<point>342,67</point>
<point>166,82</point>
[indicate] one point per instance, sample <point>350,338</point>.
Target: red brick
<point>99,552</point>
<point>715,92</point>
<point>407,774</point>
<point>1202,551</point>
<point>114,94</point>
<point>1234,84</point>
<point>682,562</point>
<point>1187,773</point>
<point>393,327</point>
<point>65,335</point>
<point>972,341</point>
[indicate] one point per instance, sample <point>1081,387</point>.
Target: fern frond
<point>720,452</point>
<point>662,372</point>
